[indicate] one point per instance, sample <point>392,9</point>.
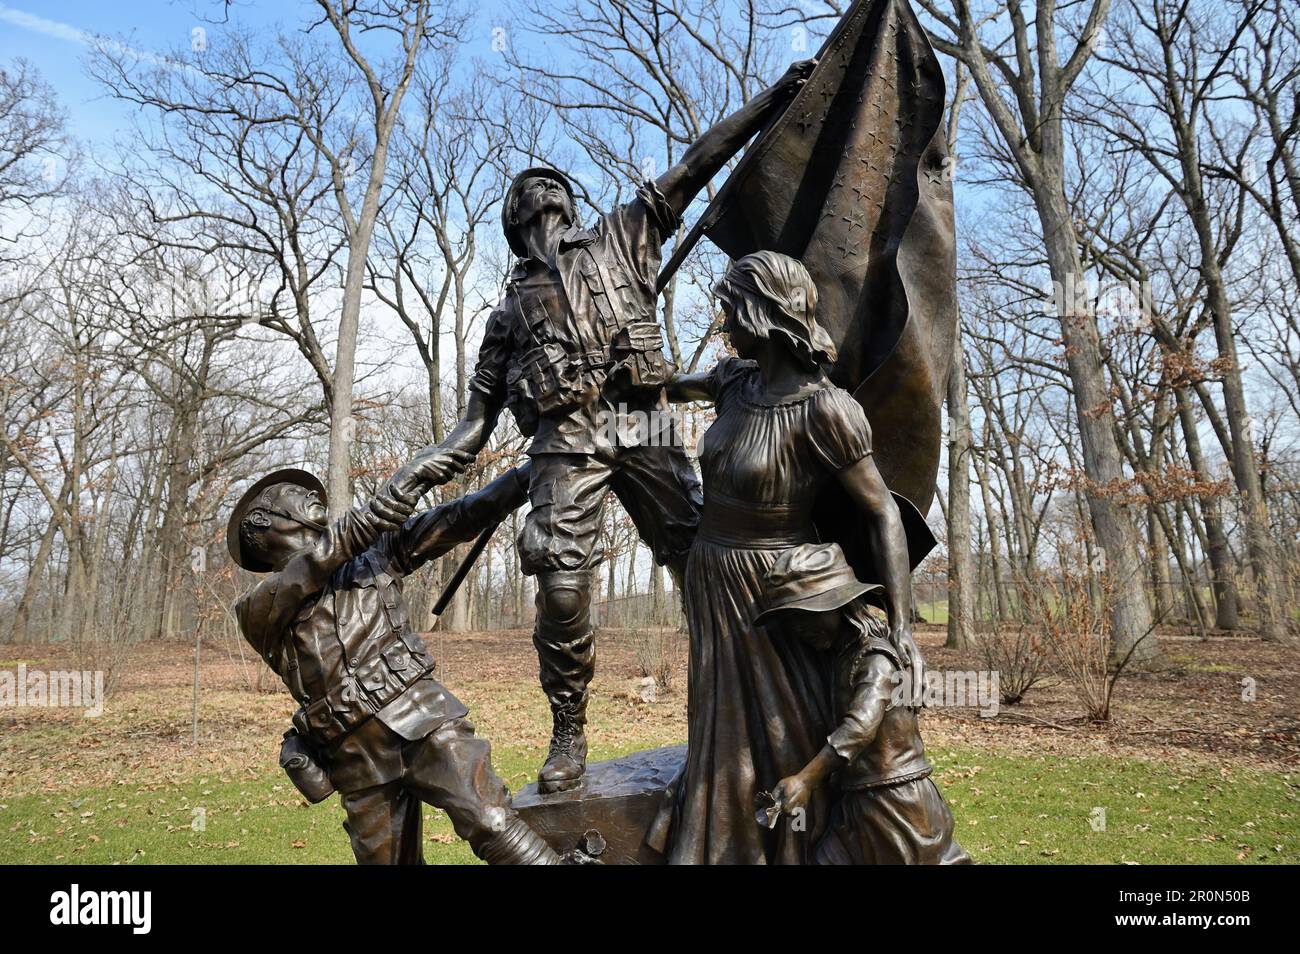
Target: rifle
<point>466,565</point>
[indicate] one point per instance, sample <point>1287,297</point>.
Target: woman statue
<point>759,705</point>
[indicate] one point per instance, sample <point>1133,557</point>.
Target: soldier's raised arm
<point>719,143</point>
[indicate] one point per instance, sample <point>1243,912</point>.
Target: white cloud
<point>71,34</point>
<point>30,21</point>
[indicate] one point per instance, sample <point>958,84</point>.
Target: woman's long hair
<point>773,297</point>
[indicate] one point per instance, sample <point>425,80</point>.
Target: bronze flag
<point>853,178</point>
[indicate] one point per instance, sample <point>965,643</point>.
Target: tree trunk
<point>1000,607</point>
<point>1130,613</point>
<point>32,589</point>
<point>1183,119</point>
<point>656,594</point>
<point>457,615</point>
<point>961,593</point>
<point>1222,571</point>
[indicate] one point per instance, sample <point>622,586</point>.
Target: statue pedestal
<point>618,798</point>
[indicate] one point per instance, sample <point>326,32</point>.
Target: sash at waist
<point>729,521</point>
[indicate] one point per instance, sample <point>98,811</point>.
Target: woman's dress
<point>758,706</point>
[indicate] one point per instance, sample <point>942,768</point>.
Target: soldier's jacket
<point>568,317</point>
<point>334,626</point>
<point>880,740</point>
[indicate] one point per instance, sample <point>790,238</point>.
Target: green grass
<point>1009,808</point>
<point>1192,664</point>
<point>1033,809</point>
<point>934,612</point>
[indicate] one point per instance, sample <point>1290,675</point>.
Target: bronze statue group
<point>796,654</point>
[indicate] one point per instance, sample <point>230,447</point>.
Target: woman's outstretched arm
<point>885,535</point>
<point>689,388</point>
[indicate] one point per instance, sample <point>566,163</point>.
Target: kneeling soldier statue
<point>330,619</point>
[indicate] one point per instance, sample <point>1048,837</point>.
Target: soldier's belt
<point>326,722</point>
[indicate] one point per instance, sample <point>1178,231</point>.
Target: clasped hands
<point>396,501</point>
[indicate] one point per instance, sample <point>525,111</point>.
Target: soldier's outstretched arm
<point>428,535</point>
<point>267,609</point>
<point>473,430</point>
<point>720,142</point>
<point>458,450</point>
<point>487,390</point>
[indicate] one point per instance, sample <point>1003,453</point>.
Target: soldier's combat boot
<point>566,761</point>
<point>566,654</point>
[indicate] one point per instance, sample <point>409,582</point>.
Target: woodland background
<point>287,258</point>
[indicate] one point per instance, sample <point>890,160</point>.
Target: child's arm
<point>873,688</point>
<point>793,792</point>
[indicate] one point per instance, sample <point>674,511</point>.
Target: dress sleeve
<point>725,374</point>
<point>838,431</point>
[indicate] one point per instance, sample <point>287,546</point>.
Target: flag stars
<point>856,220</point>
<point>872,166</point>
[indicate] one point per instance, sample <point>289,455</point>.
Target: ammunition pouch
<point>309,777</point>
<point>519,401</point>
<point>552,378</point>
<point>639,365</point>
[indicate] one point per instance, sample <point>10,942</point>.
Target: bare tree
<point>262,146</point>
<point>448,181</point>
<point>961,567</point>
<point>1175,62</point>
<point>34,149</point>
<point>1024,79</point>
<point>417,26</point>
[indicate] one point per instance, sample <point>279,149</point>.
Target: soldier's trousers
<point>567,492</point>
<point>450,769</point>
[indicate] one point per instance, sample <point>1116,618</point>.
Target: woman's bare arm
<point>885,535</point>
<point>689,388</point>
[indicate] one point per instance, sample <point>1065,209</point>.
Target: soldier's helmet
<point>234,528</point>
<point>508,225</point>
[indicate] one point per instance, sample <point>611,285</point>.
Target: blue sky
<point>54,37</point>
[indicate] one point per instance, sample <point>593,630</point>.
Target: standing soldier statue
<point>574,343</point>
